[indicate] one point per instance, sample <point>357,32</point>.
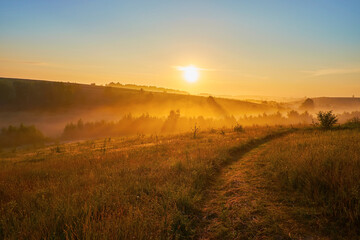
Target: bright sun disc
<point>190,73</point>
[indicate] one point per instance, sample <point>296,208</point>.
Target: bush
<point>308,104</point>
<point>13,136</point>
<point>327,119</point>
<point>238,128</point>
<point>352,123</point>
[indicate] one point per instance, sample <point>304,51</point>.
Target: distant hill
<point>37,95</point>
<point>337,103</point>
<point>28,95</point>
<point>257,98</point>
<point>145,88</point>
<point>50,105</point>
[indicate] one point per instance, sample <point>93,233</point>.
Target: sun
<point>190,73</point>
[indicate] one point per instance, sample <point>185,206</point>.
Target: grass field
<point>300,186</point>
<point>157,187</point>
<point>320,170</point>
<point>140,187</point>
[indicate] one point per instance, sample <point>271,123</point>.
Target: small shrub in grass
<point>56,149</point>
<point>352,123</point>
<point>212,130</point>
<point>195,131</point>
<point>327,119</point>
<point>181,227</point>
<point>238,128</point>
<point>179,166</point>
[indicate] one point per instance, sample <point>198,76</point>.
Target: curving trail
<point>240,205</point>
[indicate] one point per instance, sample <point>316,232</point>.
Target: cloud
<point>332,71</point>
<point>198,68</point>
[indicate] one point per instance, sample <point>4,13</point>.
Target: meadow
<point>136,187</point>
<point>319,170</point>
<point>176,186</point>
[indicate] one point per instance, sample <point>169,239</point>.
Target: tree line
<point>173,123</point>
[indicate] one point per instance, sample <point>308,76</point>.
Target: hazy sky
<point>273,48</point>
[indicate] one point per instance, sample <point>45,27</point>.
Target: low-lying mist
<point>146,124</point>
<point>55,108</point>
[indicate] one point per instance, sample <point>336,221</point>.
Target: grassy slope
<point>133,187</point>
<point>321,170</point>
<point>67,96</point>
<point>239,206</point>
<point>302,186</point>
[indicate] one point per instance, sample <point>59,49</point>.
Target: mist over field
<point>51,106</point>
<point>180,120</point>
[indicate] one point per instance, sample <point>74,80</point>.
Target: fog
<point>66,110</point>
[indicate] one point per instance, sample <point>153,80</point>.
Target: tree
<point>238,128</point>
<point>16,136</point>
<point>327,119</point>
<point>195,131</point>
<point>308,104</point>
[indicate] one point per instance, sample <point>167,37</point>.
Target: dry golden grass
<point>240,206</point>
<point>151,187</point>
<point>139,187</point>
<point>301,186</point>
<point>320,170</point>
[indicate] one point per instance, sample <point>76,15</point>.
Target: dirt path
<point>240,206</point>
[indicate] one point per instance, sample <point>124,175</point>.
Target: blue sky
<point>251,47</point>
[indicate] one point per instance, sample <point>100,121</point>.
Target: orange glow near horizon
<point>235,47</point>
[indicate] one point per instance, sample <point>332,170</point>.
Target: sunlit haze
<point>190,73</point>
<point>269,48</point>
<point>170,119</point>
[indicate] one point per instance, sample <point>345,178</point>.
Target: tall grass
<point>129,188</point>
<point>324,168</point>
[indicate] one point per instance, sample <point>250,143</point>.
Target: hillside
<point>145,88</point>
<point>338,103</point>
<point>28,95</point>
<point>50,105</point>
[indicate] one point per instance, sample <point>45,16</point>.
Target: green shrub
<point>327,119</point>
<point>15,136</point>
<point>238,128</point>
<point>352,123</point>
